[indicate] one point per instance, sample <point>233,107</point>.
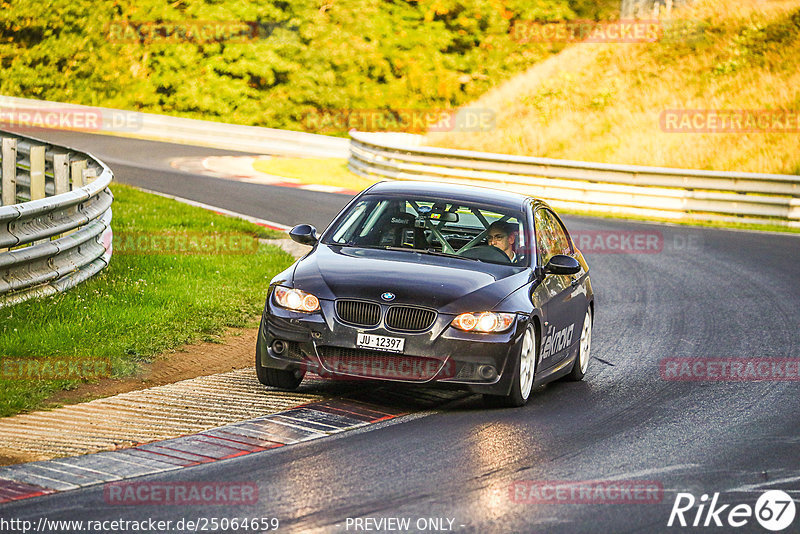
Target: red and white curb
<point>241,168</point>
<point>302,423</point>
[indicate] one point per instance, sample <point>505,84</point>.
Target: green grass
<point>141,305</point>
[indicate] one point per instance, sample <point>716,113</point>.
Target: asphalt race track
<point>702,293</point>
<point>147,164</point>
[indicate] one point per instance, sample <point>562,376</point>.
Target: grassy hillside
<point>299,57</point>
<point>604,102</point>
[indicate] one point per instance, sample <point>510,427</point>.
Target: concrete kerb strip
<point>302,423</point>
<point>160,412</point>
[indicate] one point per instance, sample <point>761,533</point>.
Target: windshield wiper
<point>430,252</point>
<point>354,245</point>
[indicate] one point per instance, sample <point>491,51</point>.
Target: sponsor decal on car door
<point>556,340</point>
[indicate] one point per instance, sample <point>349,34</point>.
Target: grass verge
<point>144,303</point>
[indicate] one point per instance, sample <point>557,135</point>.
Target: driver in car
<point>502,235</point>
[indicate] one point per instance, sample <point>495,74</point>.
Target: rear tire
<point>524,374</point>
<point>581,363</point>
<point>276,378</point>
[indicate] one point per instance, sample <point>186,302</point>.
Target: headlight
<point>484,322</point>
<point>296,300</point>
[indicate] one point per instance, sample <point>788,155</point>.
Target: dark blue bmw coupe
<point>433,283</point>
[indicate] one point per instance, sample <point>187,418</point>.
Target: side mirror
<point>305,234</point>
<point>561,264</point>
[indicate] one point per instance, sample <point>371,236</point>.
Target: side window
<point>544,240</point>
<point>561,242</point>
<point>350,225</point>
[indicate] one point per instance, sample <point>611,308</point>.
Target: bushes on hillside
<point>293,59</point>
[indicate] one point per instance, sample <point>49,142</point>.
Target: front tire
<point>524,373</point>
<point>277,378</point>
<point>581,363</point>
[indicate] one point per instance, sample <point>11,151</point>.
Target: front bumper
<point>322,343</point>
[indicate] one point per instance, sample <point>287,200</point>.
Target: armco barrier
<point>55,218</point>
<point>623,189</point>
<point>648,8</point>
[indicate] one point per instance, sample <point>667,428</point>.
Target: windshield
<point>432,226</point>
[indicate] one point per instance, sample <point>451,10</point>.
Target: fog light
<point>487,372</point>
<point>278,346</point>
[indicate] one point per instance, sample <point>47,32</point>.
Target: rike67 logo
<point>774,510</point>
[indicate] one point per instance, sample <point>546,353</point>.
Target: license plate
<point>389,344</point>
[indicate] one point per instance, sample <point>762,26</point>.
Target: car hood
<point>451,285</point>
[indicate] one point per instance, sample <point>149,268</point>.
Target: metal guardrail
<point>55,218</point>
<point>185,131</point>
<point>648,8</point>
<point>622,189</point>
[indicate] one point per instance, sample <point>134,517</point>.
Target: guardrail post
<point>61,173</point>
<point>88,176</point>
<point>9,172</point>
<point>37,172</point>
<point>77,174</point>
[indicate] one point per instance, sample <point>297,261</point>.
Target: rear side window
<point>562,243</point>
<point>551,237</point>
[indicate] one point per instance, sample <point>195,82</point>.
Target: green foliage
<point>756,40</point>
<point>299,58</point>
